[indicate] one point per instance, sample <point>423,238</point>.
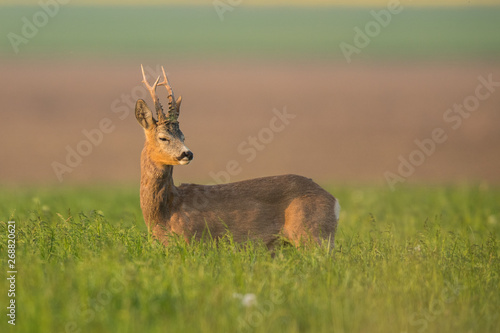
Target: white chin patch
<point>184,161</point>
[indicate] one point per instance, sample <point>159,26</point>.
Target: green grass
<point>249,32</point>
<point>415,260</point>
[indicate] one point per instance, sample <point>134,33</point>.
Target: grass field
<point>415,260</point>
<point>249,32</point>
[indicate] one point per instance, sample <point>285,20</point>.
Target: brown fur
<point>263,209</point>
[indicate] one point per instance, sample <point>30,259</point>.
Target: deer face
<point>164,140</point>
<point>170,147</point>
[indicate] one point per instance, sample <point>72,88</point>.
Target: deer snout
<point>185,155</point>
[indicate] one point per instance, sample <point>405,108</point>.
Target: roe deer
<point>288,206</point>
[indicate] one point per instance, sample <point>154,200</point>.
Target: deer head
<point>164,139</point>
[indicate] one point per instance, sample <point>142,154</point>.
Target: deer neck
<point>158,193</point>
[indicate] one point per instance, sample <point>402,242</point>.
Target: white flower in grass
<point>247,300</point>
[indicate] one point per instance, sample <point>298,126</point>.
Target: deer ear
<point>144,115</point>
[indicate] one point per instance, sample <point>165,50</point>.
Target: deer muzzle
<point>185,157</point>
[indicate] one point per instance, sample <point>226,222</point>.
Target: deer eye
<point>164,139</point>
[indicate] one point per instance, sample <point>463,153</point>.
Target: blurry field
<point>248,32</point>
<point>416,260</point>
<point>234,73</point>
<point>380,3</point>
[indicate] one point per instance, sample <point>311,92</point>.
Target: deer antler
<point>152,92</point>
<point>173,111</point>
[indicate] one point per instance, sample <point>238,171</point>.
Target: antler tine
<point>171,98</point>
<point>152,92</point>
<point>151,89</point>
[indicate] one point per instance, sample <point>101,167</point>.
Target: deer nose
<point>188,154</point>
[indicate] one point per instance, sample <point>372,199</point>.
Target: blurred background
<point>346,92</point>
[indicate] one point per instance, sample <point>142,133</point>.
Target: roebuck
<point>267,208</point>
